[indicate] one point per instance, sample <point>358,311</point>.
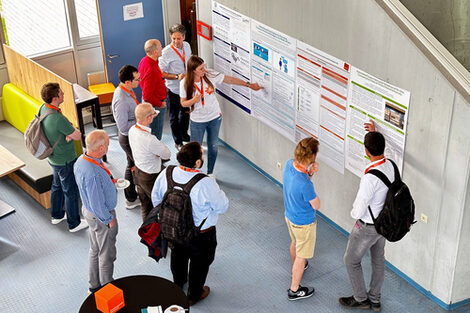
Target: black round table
<point>142,291</point>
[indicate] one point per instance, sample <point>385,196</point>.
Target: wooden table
<point>141,291</point>
<point>8,164</point>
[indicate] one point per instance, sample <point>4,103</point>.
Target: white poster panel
<point>373,99</point>
<point>273,67</point>
<point>231,37</point>
<point>322,91</point>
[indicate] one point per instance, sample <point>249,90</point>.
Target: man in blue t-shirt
<point>301,202</point>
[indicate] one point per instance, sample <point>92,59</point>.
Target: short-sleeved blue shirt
<point>298,191</point>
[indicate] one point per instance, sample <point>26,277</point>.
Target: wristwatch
<point>176,76</point>
<point>247,84</point>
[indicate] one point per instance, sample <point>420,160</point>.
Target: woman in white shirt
<point>197,90</point>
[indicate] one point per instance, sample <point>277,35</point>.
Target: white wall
<point>437,145</point>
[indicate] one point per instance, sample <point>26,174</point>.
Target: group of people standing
<point>301,203</point>
<point>168,77</point>
<point>175,78</point>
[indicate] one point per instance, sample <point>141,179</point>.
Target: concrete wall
<point>437,145</point>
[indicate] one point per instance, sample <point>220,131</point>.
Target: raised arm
<point>237,81</point>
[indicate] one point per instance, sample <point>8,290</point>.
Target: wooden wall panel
<point>30,77</point>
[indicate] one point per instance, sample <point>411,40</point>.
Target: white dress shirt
<point>372,191</point>
<point>171,63</point>
<point>147,150</point>
<point>207,199</point>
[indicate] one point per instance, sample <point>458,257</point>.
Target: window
<point>87,19</point>
<point>43,26</point>
<point>34,27</point>
<point>448,21</point>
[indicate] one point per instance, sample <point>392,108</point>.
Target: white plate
<point>122,183</point>
<point>174,309</point>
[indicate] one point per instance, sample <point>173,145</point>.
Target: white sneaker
<point>212,175</point>
<point>131,205</point>
<point>83,224</point>
<point>56,221</point>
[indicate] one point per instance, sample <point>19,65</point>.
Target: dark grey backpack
<point>175,211</point>
<point>35,139</point>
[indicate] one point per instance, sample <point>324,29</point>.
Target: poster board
<point>307,92</point>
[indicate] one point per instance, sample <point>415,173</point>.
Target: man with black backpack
<point>188,223</point>
<point>372,193</point>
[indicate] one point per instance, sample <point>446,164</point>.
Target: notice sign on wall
<point>133,11</point>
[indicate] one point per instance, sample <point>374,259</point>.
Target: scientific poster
<point>373,99</point>
<point>322,91</point>
<point>273,67</point>
<point>232,43</point>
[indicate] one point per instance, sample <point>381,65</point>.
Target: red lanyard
<point>100,165</point>
<point>374,165</point>
<point>182,57</point>
<point>144,130</point>
<point>201,91</point>
<point>53,107</point>
<point>131,92</point>
<point>300,168</point>
<point>187,169</point>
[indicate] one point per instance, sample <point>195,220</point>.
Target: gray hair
<point>177,28</point>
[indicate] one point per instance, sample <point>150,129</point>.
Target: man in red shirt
<point>152,84</point>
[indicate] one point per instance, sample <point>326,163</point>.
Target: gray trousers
<point>102,250</point>
<point>362,238</point>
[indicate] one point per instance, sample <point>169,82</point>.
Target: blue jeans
<point>64,191</point>
<point>197,134</point>
<point>157,123</point>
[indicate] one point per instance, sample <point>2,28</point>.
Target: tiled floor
<point>43,267</point>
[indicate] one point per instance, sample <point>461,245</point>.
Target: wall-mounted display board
<point>308,92</point>
<point>273,66</point>
<point>322,91</point>
<point>373,99</point>
<point>232,52</point>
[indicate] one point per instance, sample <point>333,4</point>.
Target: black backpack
<point>398,213</point>
<point>176,212</point>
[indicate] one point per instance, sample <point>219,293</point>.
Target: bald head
<point>142,111</point>
<point>153,48</point>
<point>97,143</point>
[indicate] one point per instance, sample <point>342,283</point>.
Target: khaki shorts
<point>304,237</point>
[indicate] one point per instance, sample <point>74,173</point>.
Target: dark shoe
<point>376,307</point>
<point>93,290</point>
<point>178,146</point>
<point>205,292</point>
<point>350,302</point>
<point>301,293</point>
<point>186,138</point>
<point>132,204</point>
<point>306,265</point>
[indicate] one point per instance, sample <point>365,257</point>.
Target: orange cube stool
<point>109,299</point>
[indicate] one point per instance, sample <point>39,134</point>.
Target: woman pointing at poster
<point>197,90</point>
